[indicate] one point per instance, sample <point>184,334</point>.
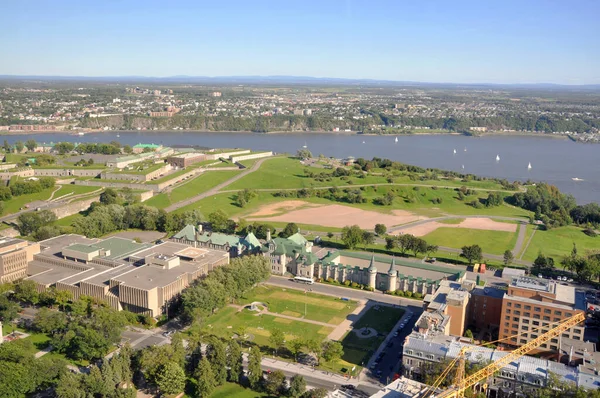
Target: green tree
<point>30,145</point>
<point>390,243</point>
<point>275,383</point>
<point>304,154</point>
<point>468,334</point>
<point>277,339</point>
<point>217,357</point>
<point>109,197</point>
<point>218,220</point>
<point>289,230</point>
<point>254,367</point>
<point>28,223</point>
<point>471,253</point>
<point>295,346</point>
<point>380,229</point>
<point>19,146</point>
<point>297,386</point>
<point>352,236</point>
<point>6,146</point>
<point>205,382</point>
<point>9,310</point>
<point>234,361</point>
<point>332,350</point>
<point>508,257</point>
<point>26,291</point>
<point>314,346</point>
<point>170,379</point>
<point>315,393</point>
<point>418,245</point>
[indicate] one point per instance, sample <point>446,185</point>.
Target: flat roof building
<point>140,278</point>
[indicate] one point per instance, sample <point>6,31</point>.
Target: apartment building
<point>532,306</point>
<point>15,254</point>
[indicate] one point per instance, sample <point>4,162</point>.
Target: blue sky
<point>525,41</point>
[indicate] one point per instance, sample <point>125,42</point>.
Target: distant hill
<point>294,80</point>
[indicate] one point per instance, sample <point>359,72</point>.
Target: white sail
<point>455,151</point>
<point>465,149</point>
<point>396,140</point>
<point>529,165</point>
<point>497,157</point>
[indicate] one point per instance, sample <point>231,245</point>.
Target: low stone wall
<point>7,175</point>
<point>136,177</point>
<point>144,196</point>
<point>225,155</point>
<point>236,159</point>
<point>67,172</point>
<point>133,185</point>
<point>75,207</point>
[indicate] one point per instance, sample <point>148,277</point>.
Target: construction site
<point>498,342</point>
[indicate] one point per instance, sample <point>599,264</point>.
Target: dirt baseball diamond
<point>330,215</point>
<point>469,223</point>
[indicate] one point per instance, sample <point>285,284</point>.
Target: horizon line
<point>341,79</point>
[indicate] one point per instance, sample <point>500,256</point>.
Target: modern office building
<point>15,254</point>
<point>140,278</point>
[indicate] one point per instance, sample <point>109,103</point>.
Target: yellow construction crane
<point>462,384</point>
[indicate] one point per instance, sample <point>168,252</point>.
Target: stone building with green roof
<point>291,255</point>
<point>236,246</point>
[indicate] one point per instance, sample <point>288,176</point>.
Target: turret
<point>372,270</point>
<point>392,276</point>
<point>268,235</point>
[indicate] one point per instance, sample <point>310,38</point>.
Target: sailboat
<point>118,135</point>
<point>463,166</point>
<point>497,158</point>
<point>455,151</point>
<point>396,140</point>
<point>529,165</point>
<point>465,149</point>
<point>304,146</point>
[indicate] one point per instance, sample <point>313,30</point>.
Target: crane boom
<point>492,368</point>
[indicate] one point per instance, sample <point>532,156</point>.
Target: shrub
<point>590,232</point>
<point>354,285</point>
<point>399,293</point>
<point>329,280</point>
<point>347,282</point>
<point>418,295</point>
<point>408,294</point>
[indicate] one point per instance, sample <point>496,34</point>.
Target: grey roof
<point>392,271</point>
<point>372,267</point>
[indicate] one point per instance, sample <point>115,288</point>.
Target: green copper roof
<point>252,241</point>
<point>154,146</point>
<point>188,232</point>
<point>217,238</point>
<point>298,239</point>
<point>79,247</point>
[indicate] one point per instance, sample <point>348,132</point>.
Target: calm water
<point>553,161</point>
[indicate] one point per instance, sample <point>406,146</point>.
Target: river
<point>554,161</point>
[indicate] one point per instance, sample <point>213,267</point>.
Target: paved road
<point>215,190</point>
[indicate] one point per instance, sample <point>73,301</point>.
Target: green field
<point>558,242</point>
<point>13,205</point>
<point>228,320</point>
<point>282,173</point>
<point>492,242</point>
<point>75,190</point>
<point>231,390</point>
<point>195,186</point>
<point>295,302</point>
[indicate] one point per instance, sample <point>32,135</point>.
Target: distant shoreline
<point>487,134</point>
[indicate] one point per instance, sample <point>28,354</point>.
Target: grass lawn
<point>452,221</point>
<point>199,184</point>
<point>228,320</point>
<point>281,173</point>
<point>232,390</point>
<point>381,318</point>
<point>67,221</point>
<point>294,302</point>
<point>75,190</point>
<point>558,242</point>
<point>493,242</point>
<point>13,205</point>
<point>529,230</point>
